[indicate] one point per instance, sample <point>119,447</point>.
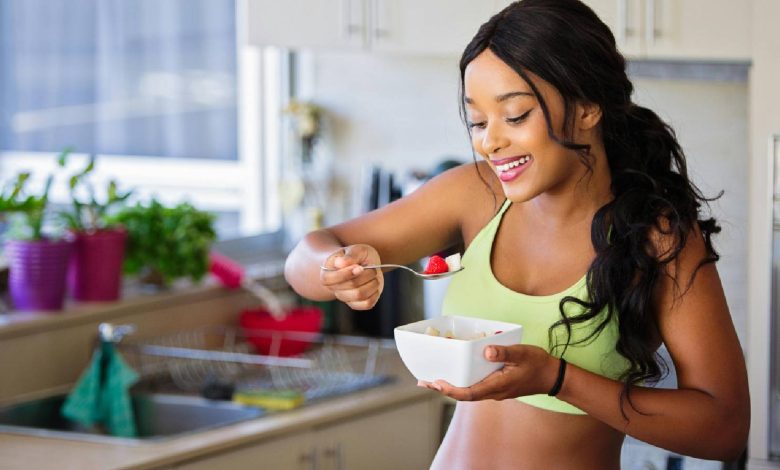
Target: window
<point>152,88</point>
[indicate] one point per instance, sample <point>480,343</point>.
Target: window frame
<point>248,185</point>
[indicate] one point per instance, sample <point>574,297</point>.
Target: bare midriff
<point>507,434</point>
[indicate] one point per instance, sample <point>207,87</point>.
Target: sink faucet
<point>110,333</point>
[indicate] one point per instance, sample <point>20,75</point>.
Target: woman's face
<point>508,129</point>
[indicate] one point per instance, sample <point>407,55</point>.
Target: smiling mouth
<point>514,163</point>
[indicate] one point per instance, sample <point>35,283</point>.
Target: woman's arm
<point>420,224</point>
<point>708,415</point>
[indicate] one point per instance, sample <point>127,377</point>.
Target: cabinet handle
<point>309,457</point>
<point>350,28</point>
<point>337,454</point>
<point>379,31</point>
<point>651,33</point>
<point>623,30</point>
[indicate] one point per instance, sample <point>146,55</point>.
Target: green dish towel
<point>102,394</point>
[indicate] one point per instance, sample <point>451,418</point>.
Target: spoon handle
<point>421,275</point>
<point>375,266</point>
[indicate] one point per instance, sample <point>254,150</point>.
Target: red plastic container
<point>258,325</point>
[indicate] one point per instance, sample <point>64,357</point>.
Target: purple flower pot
<point>95,272</point>
<point>36,273</point>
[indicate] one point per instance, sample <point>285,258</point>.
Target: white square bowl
<point>460,362</point>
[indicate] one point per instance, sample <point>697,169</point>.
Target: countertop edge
<point>18,324</point>
<point>154,455</point>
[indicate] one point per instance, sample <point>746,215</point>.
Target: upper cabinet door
<point>678,29</point>
<point>624,18</point>
<point>334,24</point>
<point>436,27</point>
<point>697,29</point>
<point>662,29</point>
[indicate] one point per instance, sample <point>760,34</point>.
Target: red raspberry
<point>436,265</point>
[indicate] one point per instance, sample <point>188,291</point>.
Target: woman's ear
<point>588,115</point>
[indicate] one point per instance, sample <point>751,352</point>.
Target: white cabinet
<point>659,29</point>
<point>305,23</point>
<point>435,27</point>
<point>389,440</point>
<point>401,437</point>
<point>442,27</point>
<point>624,18</point>
<point>679,29</point>
<point>294,453</point>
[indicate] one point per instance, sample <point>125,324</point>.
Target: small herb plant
<point>87,214</point>
<point>31,208</point>
<point>166,243</point>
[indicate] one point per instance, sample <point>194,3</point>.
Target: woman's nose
<point>494,139</point>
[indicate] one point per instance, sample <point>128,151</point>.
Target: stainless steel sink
<point>158,416</point>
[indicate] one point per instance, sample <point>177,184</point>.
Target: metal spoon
<point>429,277</point>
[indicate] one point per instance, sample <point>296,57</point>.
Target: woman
<point>579,223</point>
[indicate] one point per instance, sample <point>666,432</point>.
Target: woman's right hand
<point>357,287</point>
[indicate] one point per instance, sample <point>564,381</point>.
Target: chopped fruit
<point>431,331</point>
<point>453,262</point>
<point>436,265</point>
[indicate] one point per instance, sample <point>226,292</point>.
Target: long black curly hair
<point>564,43</point>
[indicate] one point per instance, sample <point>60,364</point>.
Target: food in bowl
<point>457,356</point>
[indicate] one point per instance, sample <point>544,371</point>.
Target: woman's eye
<point>478,125</point>
<point>518,119</point>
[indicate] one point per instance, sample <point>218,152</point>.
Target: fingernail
<point>357,270</point>
<point>436,386</point>
<point>491,353</point>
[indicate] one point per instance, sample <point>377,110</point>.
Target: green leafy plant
<point>166,243</point>
<point>88,214</point>
<point>32,208</point>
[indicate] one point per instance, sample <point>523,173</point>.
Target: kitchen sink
<point>158,416</point>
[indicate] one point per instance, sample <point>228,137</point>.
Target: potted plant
<point>37,262</point>
<point>95,271</point>
<point>166,243</point>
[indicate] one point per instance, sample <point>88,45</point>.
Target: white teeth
<point>514,164</point>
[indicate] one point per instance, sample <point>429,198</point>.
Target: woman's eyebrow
<point>512,94</point>
<point>503,97</point>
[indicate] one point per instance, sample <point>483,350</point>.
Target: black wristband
<point>559,381</point>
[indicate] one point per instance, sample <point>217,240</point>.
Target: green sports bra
<point>477,293</point>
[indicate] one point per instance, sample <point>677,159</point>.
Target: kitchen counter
<point>29,452</point>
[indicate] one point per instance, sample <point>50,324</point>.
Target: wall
<point>402,113</point>
<point>764,122</point>
<point>710,119</point>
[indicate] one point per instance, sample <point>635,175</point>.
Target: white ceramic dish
<point>460,362</point>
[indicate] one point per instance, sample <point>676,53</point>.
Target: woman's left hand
<point>528,370</point>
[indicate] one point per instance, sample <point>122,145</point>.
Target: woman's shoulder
<point>472,185</point>
<point>475,192</point>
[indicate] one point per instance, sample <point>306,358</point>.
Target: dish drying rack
<point>332,364</point>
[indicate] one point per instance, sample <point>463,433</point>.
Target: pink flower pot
<point>95,271</point>
<point>36,273</point>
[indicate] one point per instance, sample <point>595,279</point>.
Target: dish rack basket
<point>332,364</point>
